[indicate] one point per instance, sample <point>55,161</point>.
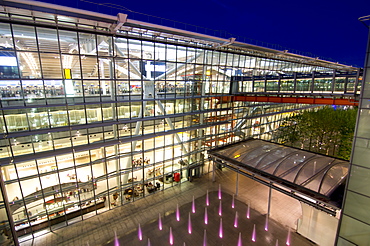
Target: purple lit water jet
<point>205,238</point>
<point>207,199</point>
<point>248,212</point>
<point>193,206</point>
<point>219,192</point>
<point>149,242</point>
<point>236,219</point>
<point>205,216</point>
<point>220,230</point>
<point>160,226</point>
<point>277,242</point>
<point>139,233</point>
<point>267,223</point>
<point>233,202</point>
<point>177,213</point>
<point>116,242</point>
<point>288,238</point>
<point>220,209</point>
<point>240,239</point>
<point>171,236</point>
<point>189,224</point>
<point>254,233</point>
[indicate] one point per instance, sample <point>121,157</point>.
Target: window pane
<point>355,231</point>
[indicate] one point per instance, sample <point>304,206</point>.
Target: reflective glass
<point>354,231</point>
<point>356,206</point>
<point>363,126</point>
<point>47,39</point>
<point>25,38</point>
<point>359,180</point>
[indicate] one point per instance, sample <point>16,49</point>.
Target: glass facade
<point>354,228</point>
<point>94,119</point>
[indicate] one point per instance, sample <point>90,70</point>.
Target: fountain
<point>205,216</point>
<point>205,238</point>
<point>171,236</point>
<point>193,206</point>
<point>254,233</point>
<point>220,231</point>
<point>219,192</point>
<point>146,236</point>
<point>139,233</point>
<point>116,242</point>
<point>288,238</point>
<point>189,224</point>
<point>160,226</point>
<point>207,199</point>
<point>248,211</point>
<point>177,213</point>
<point>236,219</point>
<point>240,239</point>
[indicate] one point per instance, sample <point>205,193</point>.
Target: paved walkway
<point>123,221</point>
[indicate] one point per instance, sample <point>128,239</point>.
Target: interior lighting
<point>30,62</point>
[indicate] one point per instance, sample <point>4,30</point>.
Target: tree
<point>327,131</point>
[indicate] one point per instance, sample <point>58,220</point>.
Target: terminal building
<point>99,111</point>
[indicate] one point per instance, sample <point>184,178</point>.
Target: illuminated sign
<point>55,203</point>
<point>67,73</point>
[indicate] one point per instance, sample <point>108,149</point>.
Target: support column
<point>113,94</point>
<point>103,157</point>
<point>269,201</point>
<point>205,80</point>
<point>102,81</point>
<point>170,124</point>
<point>6,173</point>
<point>133,143</point>
<point>8,211</point>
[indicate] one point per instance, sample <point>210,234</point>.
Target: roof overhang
<point>231,45</point>
<point>303,175</point>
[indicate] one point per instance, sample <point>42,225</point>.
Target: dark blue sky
<point>328,29</point>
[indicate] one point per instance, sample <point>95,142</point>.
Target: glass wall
<point>91,120</point>
<point>354,228</point>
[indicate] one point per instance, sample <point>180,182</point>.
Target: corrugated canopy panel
<point>321,174</point>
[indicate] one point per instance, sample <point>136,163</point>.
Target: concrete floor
<point>122,223</point>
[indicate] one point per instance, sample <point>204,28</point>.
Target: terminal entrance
<point>316,181</point>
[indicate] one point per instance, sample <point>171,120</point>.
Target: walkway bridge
<point>336,88</point>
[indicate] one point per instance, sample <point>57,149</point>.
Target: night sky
<point>328,29</point>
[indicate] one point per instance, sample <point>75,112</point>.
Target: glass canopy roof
<point>318,173</point>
